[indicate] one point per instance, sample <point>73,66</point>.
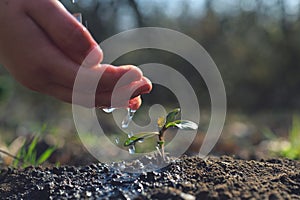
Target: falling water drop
<point>128,118</point>
<point>130,134</point>
<point>78,16</point>
<point>141,141</point>
<point>108,110</point>
<point>117,140</point>
<point>74,1</point>
<point>131,149</point>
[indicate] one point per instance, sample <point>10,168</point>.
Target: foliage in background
<point>255,43</point>
<point>290,147</point>
<point>27,155</point>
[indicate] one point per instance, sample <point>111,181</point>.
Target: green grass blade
<point>43,129</point>
<point>294,136</point>
<point>32,160</point>
<point>45,155</point>
<point>32,146</point>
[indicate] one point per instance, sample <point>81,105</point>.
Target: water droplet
<point>128,118</point>
<point>131,112</point>
<point>108,110</point>
<point>74,1</point>
<point>131,149</point>
<point>130,134</point>
<point>141,141</point>
<point>117,140</point>
<point>78,16</point>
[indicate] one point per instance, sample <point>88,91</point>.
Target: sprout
<point>163,123</point>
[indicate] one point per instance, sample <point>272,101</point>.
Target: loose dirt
<point>185,178</point>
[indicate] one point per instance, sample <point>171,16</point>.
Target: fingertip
<point>94,57</point>
<point>135,103</point>
<point>147,85</point>
<point>134,68</point>
<point>121,75</point>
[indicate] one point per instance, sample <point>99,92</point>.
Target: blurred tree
<point>255,45</point>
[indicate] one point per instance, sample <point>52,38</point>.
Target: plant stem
<point>161,140</point>
<point>10,155</point>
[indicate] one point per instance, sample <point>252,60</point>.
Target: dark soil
<point>185,178</point>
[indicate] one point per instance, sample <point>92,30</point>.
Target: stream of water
<point>130,113</point>
<point>128,118</point>
<point>125,123</point>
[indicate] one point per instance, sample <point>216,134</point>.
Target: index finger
<point>65,31</point>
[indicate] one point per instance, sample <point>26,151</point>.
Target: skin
<point>43,46</point>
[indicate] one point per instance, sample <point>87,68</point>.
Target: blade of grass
<point>31,147</point>
<point>294,136</point>
<point>45,155</point>
<point>33,158</point>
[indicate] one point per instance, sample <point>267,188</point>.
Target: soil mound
<point>185,178</point>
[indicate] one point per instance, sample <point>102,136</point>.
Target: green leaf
<point>183,125</point>
<point>172,115</point>
<point>45,155</point>
<point>139,137</point>
<point>32,146</point>
<point>32,160</point>
<point>131,140</point>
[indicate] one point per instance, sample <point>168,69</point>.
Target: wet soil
<point>185,178</point>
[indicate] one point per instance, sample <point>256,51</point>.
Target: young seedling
<point>164,123</point>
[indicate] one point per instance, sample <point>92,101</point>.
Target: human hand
<point>118,86</point>
<point>43,46</point>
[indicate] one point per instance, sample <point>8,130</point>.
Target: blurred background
<point>254,43</point>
